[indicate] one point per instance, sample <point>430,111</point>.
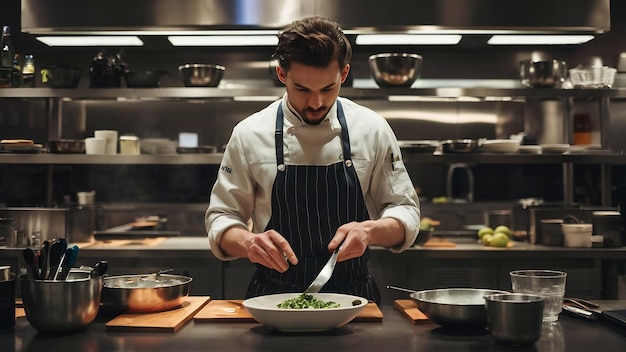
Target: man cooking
<point>312,172</point>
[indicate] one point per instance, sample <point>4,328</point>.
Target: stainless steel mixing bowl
<point>61,306</point>
<point>201,75</point>
<point>395,69</point>
<point>514,318</point>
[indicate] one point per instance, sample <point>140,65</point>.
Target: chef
<point>310,173</point>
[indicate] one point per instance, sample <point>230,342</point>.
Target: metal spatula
<point>324,275</point>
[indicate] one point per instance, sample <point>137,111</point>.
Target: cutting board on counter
<point>409,309</point>
<point>168,321</point>
<point>233,311</point>
<point>438,243</point>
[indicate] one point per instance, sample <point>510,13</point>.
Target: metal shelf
<point>82,159</point>
<point>177,93</point>
<point>216,159</point>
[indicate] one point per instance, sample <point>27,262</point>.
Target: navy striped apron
<point>309,203</point>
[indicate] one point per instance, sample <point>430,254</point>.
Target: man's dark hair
<point>313,41</point>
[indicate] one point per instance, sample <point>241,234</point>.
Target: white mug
<point>110,136</point>
<point>95,145</point>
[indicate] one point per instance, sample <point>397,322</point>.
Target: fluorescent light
<point>257,98</point>
<point>538,39</point>
<point>224,40</point>
<point>91,41</point>
<point>408,39</point>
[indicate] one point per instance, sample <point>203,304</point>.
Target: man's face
<point>313,90</point>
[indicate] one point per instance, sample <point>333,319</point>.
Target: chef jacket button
<point>281,167</point>
<point>349,163</point>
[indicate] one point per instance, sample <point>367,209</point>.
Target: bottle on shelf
<point>16,74</point>
<point>582,129</point>
<point>6,48</point>
<point>6,58</point>
<point>28,71</point>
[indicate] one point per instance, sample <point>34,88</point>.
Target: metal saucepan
<point>67,146</point>
<point>453,307</point>
<point>145,292</point>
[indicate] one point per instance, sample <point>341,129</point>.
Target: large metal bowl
<point>459,146</point>
<point>143,79</point>
<point>61,306</point>
<point>145,293</point>
<point>201,75</point>
<point>455,307</point>
<point>395,69</point>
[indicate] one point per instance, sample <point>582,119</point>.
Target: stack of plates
<point>554,148</point>
<point>500,146</point>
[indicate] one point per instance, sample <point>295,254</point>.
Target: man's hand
<point>354,237</point>
<point>270,249</point>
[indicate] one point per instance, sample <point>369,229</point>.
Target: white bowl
<point>500,145</point>
<point>554,148</point>
<point>264,310</point>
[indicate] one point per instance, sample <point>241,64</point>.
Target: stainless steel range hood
<point>536,16</point>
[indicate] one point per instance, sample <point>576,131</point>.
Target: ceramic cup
<point>95,145</point>
<point>110,136</point>
<point>129,145</point>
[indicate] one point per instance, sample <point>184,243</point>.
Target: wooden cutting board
<point>438,242</point>
<point>168,321</point>
<point>233,311</point>
<point>409,309</point>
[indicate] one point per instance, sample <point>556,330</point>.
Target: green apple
<point>505,229</point>
<point>485,231</point>
<point>499,239</point>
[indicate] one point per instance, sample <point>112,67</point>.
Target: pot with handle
<point>458,308</point>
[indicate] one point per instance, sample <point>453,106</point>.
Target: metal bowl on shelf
<point>395,69</point>
<point>201,75</point>
<point>459,146</point>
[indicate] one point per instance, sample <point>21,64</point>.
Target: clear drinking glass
<point>547,283</point>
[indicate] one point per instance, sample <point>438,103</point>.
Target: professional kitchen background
<point>180,192</point>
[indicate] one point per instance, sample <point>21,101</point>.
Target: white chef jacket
<point>243,189</point>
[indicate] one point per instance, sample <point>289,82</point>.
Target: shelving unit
<point>55,97</point>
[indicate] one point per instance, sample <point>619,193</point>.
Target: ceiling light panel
<point>224,40</point>
<point>91,41</point>
<point>539,39</point>
<point>408,39</point>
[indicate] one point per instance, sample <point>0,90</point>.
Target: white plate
<point>554,148</point>
<point>263,309</point>
<point>500,146</point>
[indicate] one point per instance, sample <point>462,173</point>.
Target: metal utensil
<point>324,275</point>
<point>32,269</point>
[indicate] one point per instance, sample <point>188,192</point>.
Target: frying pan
<point>145,293</point>
<point>453,307</point>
